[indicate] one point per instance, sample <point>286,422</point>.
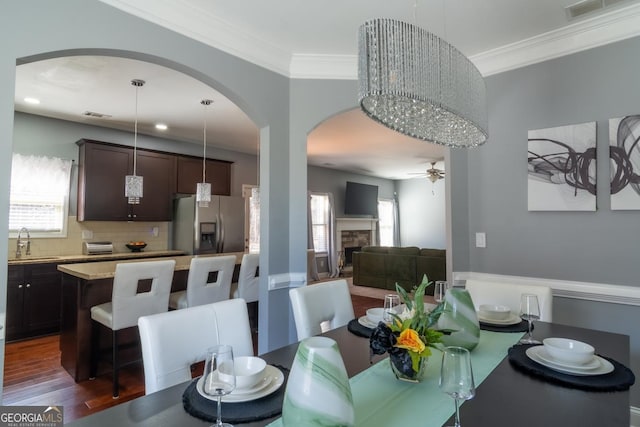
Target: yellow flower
<point>410,340</point>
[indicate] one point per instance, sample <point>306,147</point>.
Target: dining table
<point>506,396</point>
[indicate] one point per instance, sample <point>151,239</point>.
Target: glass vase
<point>460,317</point>
<point>415,377</point>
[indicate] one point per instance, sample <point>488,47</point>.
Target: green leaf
<point>403,295</point>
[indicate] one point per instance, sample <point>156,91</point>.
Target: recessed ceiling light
<point>33,101</point>
<point>161,126</point>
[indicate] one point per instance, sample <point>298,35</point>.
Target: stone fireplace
<point>353,234</point>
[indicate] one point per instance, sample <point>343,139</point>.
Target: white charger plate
<point>275,379</point>
<point>364,321</point>
<point>511,320</point>
<point>605,366</point>
<point>592,364</point>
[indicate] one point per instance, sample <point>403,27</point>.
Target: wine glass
<point>456,376</point>
<point>219,376</point>
<point>440,290</point>
<point>391,303</point>
<point>529,311</point>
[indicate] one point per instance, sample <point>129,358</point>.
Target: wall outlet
<point>154,231</point>
<point>87,234</point>
<point>481,240</point>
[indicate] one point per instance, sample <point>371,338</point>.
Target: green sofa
<point>383,267</point>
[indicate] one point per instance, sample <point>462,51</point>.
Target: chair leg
<point>116,366</point>
<point>95,350</point>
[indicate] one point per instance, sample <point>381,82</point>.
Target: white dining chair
<point>175,340</point>
<point>486,292</point>
<point>321,307</point>
<point>202,288</point>
<point>248,283</point>
<point>127,305</point>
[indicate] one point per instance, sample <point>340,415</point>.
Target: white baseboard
<point>635,417</point>
<point>601,292</point>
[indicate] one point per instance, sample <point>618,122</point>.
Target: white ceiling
<point>307,40</point>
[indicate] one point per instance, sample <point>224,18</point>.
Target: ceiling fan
<point>432,174</point>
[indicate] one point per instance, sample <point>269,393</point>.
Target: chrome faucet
<point>21,244</point>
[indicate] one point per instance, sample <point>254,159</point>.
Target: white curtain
<point>396,221</point>
<point>332,254</point>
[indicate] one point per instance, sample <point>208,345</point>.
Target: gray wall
<point>422,213</point>
<point>600,246</point>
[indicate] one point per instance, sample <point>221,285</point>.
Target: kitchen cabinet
<point>190,174</point>
<point>33,300</point>
<point>101,175</point>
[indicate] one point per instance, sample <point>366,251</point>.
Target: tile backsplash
<point>119,233</point>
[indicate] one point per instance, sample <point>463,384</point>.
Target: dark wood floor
<point>33,376</point>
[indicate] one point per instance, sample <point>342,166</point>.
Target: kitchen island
<point>90,283</point>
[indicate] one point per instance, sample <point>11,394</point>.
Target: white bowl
<point>375,315</point>
<point>249,371</point>
<point>494,311</point>
<point>568,350</point>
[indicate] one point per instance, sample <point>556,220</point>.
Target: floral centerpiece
<point>408,339</point>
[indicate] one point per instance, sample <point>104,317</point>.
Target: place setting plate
<point>509,321</point>
<point>271,382</point>
<point>597,366</point>
<point>364,321</point>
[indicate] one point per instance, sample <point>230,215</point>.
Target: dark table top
<point>506,398</point>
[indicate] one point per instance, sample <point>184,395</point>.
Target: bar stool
<point>127,305</point>
<point>248,286</point>
<point>209,281</point>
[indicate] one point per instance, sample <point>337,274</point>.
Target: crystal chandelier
<point>415,83</point>
<point>203,189</point>
<point>133,183</point>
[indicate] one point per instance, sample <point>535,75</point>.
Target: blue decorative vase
<point>460,316</point>
<point>318,391</point>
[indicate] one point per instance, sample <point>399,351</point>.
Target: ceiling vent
<point>96,115</point>
<point>584,7</point>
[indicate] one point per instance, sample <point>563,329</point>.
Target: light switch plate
<point>481,240</point>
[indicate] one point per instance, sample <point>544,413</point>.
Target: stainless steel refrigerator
<point>215,229</point>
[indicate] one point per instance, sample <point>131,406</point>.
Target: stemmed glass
<point>440,290</point>
<point>529,311</point>
<point>391,303</point>
<point>456,377</point>
<point>219,376</point>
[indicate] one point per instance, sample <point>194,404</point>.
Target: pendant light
<point>416,83</point>
<point>203,189</point>
<point>133,183</point>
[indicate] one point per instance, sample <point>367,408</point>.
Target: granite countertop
<point>29,259</point>
<point>106,269</point>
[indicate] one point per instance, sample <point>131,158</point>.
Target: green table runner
<point>382,400</point>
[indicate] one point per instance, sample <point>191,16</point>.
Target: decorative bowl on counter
<point>136,246</point>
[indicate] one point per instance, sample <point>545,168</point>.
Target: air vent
<point>96,115</point>
<point>588,6</point>
<point>583,7</point>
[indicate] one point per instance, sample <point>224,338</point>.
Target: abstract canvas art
<point>624,156</point>
<point>562,168</point>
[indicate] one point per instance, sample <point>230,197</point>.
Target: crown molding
<point>191,21</point>
<point>619,24</point>
<point>185,18</point>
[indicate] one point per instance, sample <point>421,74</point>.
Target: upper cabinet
<point>101,173</point>
<point>218,174</point>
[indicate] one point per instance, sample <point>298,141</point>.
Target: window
<point>386,222</point>
<point>320,222</point>
<point>251,194</point>
<point>39,195</point>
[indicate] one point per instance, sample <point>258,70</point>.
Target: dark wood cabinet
<point>33,300</point>
<point>189,174</point>
<point>101,175</point>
